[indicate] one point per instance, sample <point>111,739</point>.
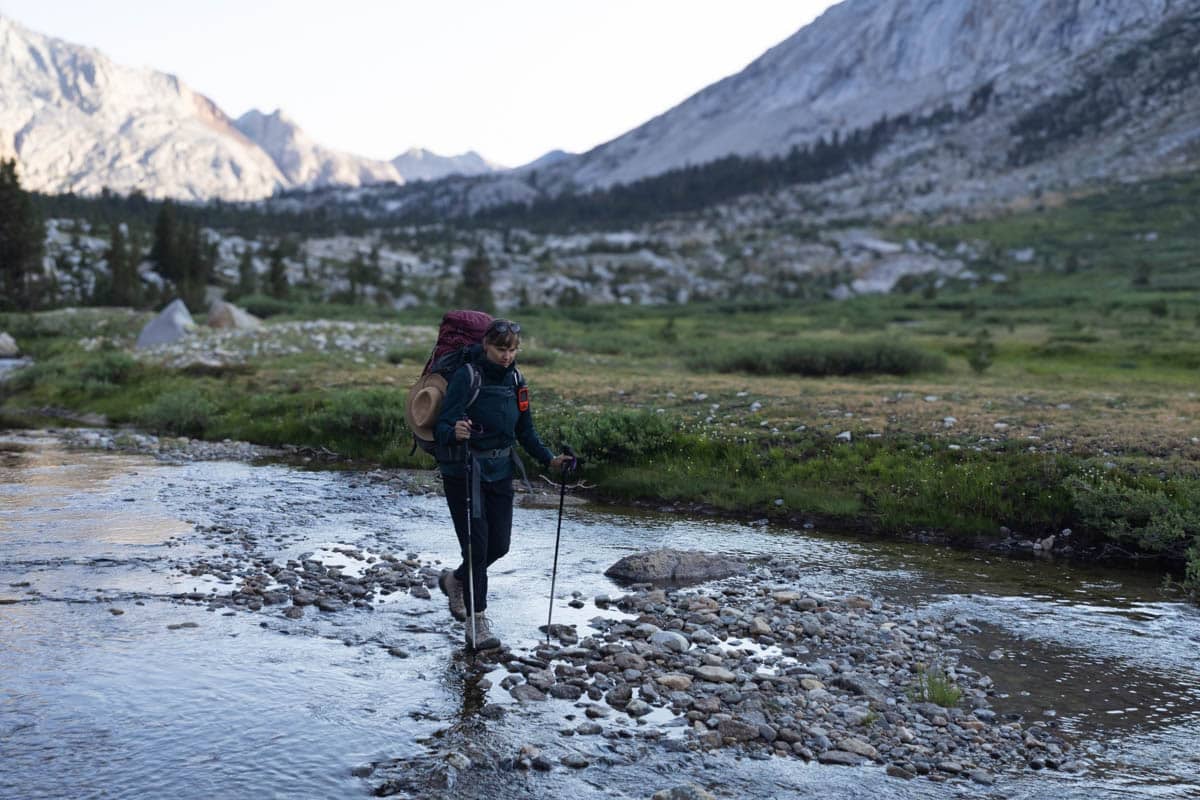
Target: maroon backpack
<point>459,330</point>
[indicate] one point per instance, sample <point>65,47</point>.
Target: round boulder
<point>674,566</point>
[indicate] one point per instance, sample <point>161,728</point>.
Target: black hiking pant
<point>491,531</point>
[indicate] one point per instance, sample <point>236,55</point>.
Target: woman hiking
<point>478,485</point>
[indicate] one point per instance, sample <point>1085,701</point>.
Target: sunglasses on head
<point>503,326</point>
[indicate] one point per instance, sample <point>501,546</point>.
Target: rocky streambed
<point>755,664</point>
<point>289,622</point>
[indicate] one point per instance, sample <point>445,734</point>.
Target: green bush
<point>612,437</point>
<point>181,412</point>
<point>1139,510</point>
<point>821,358</point>
<point>358,422</point>
<point>107,368</point>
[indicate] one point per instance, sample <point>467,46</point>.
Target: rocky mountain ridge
<point>862,60</point>
<point>886,110</point>
<point>79,122</point>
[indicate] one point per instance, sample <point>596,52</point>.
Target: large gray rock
<point>172,324</point>
<point>8,346</point>
<point>230,317</point>
<point>674,566</point>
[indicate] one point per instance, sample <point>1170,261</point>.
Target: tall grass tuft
<point>933,686</point>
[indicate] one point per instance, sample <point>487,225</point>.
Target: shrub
<point>982,352</point>
<point>610,437</point>
<point>111,367</point>
<point>358,421</point>
<point>1148,513</point>
<point>180,412</point>
<point>822,358</point>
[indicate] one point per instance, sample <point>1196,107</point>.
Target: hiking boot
<point>484,638</point>
<point>453,589</point>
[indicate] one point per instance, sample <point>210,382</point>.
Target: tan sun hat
<point>424,402</point>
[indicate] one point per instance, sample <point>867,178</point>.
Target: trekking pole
<point>470,554</point>
<point>562,496</point>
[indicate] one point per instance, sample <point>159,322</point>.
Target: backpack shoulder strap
<point>518,378</point>
<point>475,380</point>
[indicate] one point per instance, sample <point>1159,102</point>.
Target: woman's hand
<point>462,430</point>
<point>560,461</point>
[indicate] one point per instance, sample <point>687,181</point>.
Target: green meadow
<point>1065,396</point>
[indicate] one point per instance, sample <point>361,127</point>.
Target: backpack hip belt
<point>500,452</point>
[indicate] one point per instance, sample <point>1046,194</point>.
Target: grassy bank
<point>866,413</point>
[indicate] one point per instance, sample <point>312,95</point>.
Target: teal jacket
<point>495,410</point>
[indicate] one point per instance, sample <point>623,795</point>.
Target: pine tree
<point>356,273</point>
<point>165,252</point>
<point>247,279</point>
<point>122,269</point>
<point>22,241</point>
<point>277,279</point>
<point>193,266</point>
<point>476,288</point>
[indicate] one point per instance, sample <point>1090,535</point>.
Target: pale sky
<point>511,79</point>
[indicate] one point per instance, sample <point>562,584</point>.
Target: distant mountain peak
<point>419,164</point>
<point>79,122</point>
<point>303,162</point>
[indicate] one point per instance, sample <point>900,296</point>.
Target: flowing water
<point>110,687</point>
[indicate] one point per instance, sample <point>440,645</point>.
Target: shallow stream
<point>110,686</point>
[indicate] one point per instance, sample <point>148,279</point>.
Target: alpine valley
<point>809,173</point>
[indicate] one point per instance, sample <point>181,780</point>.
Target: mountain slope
<point>80,122</point>
<point>306,164</point>
<point>861,60</point>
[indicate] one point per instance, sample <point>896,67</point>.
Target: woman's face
<point>502,354</point>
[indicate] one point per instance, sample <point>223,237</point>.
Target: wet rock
<point>687,792</point>
<point>670,640</point>
<point>759,627</point>
<point>715,674</point>
<point>566,691</point>
<point>526,693</point>
<point>659,566</point>
<point>330,604</point>
<point>638,708</point>
<point>589,729</point>
<point>575,761</point>
<point>857,746</point>
<point>859,685</point>
<point>982,777</point>
<point>626,660</point>
<point>619,697</point>
<point>737,731</point>
<point>675,681</point>
<point>841,758</point>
